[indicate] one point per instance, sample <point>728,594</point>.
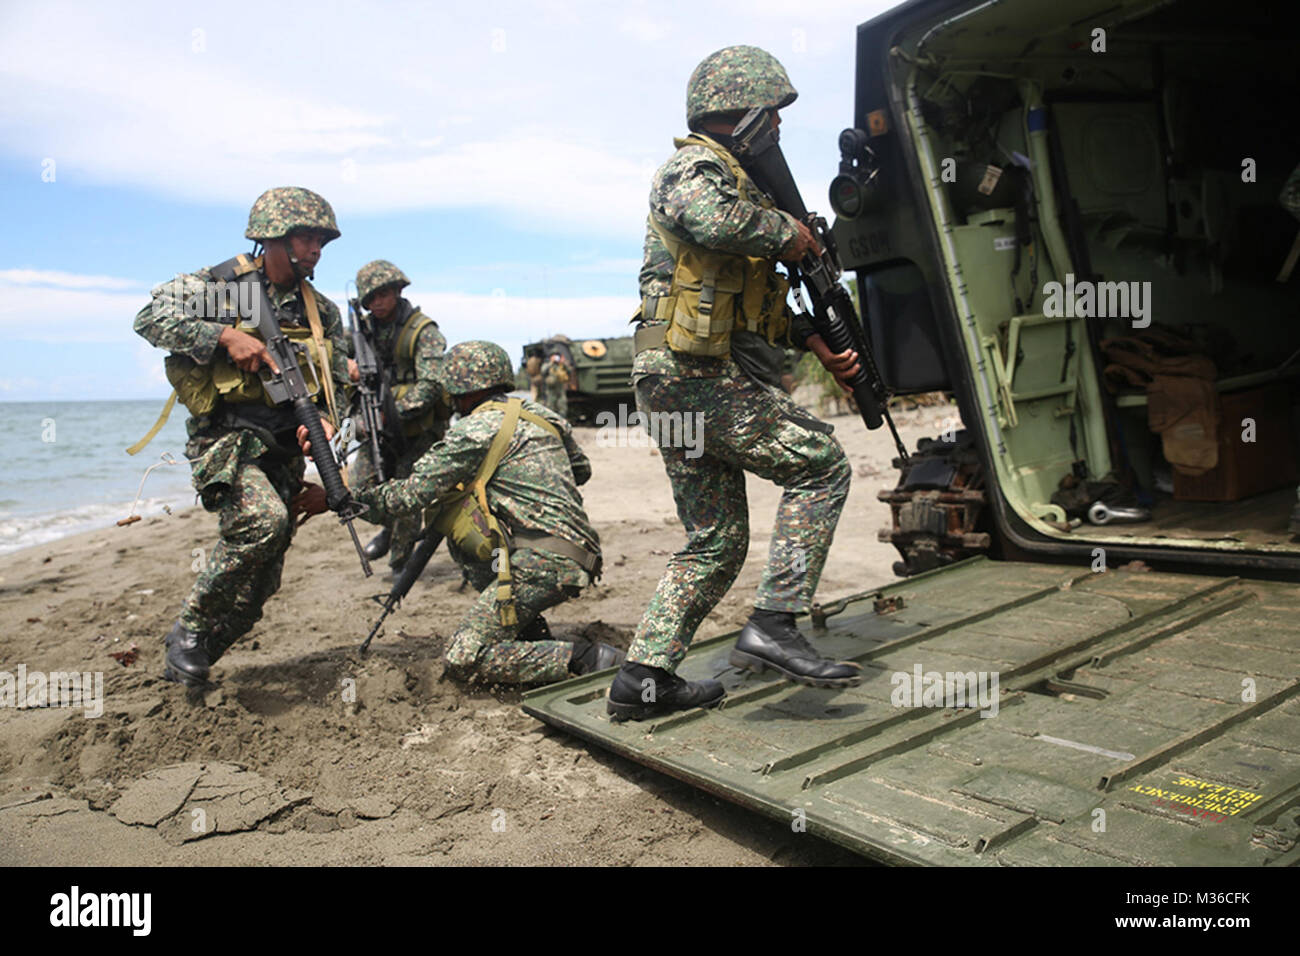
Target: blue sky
<point>499,153</point>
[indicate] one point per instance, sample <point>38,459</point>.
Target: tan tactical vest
<point>201,387</point>
<point>714,293</point>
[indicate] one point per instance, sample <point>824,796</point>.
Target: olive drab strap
<point>404,347</point>
<point>152,433</point>
<point>468,521</point>
<point>505,593</point>
<point>714,293</point>
<point>326,374</point>
<point>243,265</point>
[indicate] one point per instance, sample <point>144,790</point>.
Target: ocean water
<point>65,469</point>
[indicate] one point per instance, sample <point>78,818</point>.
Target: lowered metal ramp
<point>1137,718</point>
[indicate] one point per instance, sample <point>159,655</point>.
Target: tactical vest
<point>714,293</point>
<point>405,372</point>
<point>201,388</point>
<point>465,519</point>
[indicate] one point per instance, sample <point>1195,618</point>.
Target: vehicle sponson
<point>1140,718</point>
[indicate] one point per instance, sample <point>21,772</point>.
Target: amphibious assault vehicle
<point>600,373</point>
<point>1067,215</point>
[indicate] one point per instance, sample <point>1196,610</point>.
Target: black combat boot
<point>187,657</point>
<point>588,657</point>
<point>640,691</point>
<point>770,639</point>
<point>379,544</point>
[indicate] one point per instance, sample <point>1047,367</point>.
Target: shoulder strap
<point>506,612</point>
<point>497,450</point>
<point>415,323</point>
<point>724,154</point>
<point>514,411</point>
<point>317,333</point>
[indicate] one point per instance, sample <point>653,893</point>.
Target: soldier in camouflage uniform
<point>246,463</point>
<point>533,495</point>
<point>556,376</point>
<point>706,215</point>
<point>409,348</point>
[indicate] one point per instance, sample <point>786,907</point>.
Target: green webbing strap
<point>152,433</point>
<point>505,596</point>
<point>415,323</point>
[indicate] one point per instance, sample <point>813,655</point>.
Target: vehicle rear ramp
<point>1141,718</point>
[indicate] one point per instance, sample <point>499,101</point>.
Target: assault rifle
<point>757,147</point>
<point>374,394</point>
<point>411,572</point>
<point>288,385</point>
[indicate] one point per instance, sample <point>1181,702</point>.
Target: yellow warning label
<point>1200,798</point>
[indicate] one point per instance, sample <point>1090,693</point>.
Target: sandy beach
<point>306,753</point>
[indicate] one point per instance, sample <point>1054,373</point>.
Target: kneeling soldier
<point>505,482</point>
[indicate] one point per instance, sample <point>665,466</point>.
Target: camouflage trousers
<point>557,399</point>
<point>485,650</point>
<point>739,426</point>
<point>406,529</point>
<point>243,570</point>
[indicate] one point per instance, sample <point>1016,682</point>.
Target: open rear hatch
<point>1114,718</point>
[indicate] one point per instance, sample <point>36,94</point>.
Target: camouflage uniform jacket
<point>167,323</point>
<point>534,488</point>
<point>425,393</point>
<point>696,198</point>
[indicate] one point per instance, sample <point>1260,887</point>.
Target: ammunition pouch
<point>714,293</point>
<point>237,386</point>
<point>192,382</point>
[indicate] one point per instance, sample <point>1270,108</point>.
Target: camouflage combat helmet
<point>474,366</point>
<point>283,209</point>
<point>736,79</point>
<point>373,276</point>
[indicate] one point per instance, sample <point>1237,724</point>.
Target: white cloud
<point>386,107</point>
<point>68,313</point>
<point>64,280</point>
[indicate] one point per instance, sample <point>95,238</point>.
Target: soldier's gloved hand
<point>307,502</point>
<point>843,365</point>
<point>304,444</point>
